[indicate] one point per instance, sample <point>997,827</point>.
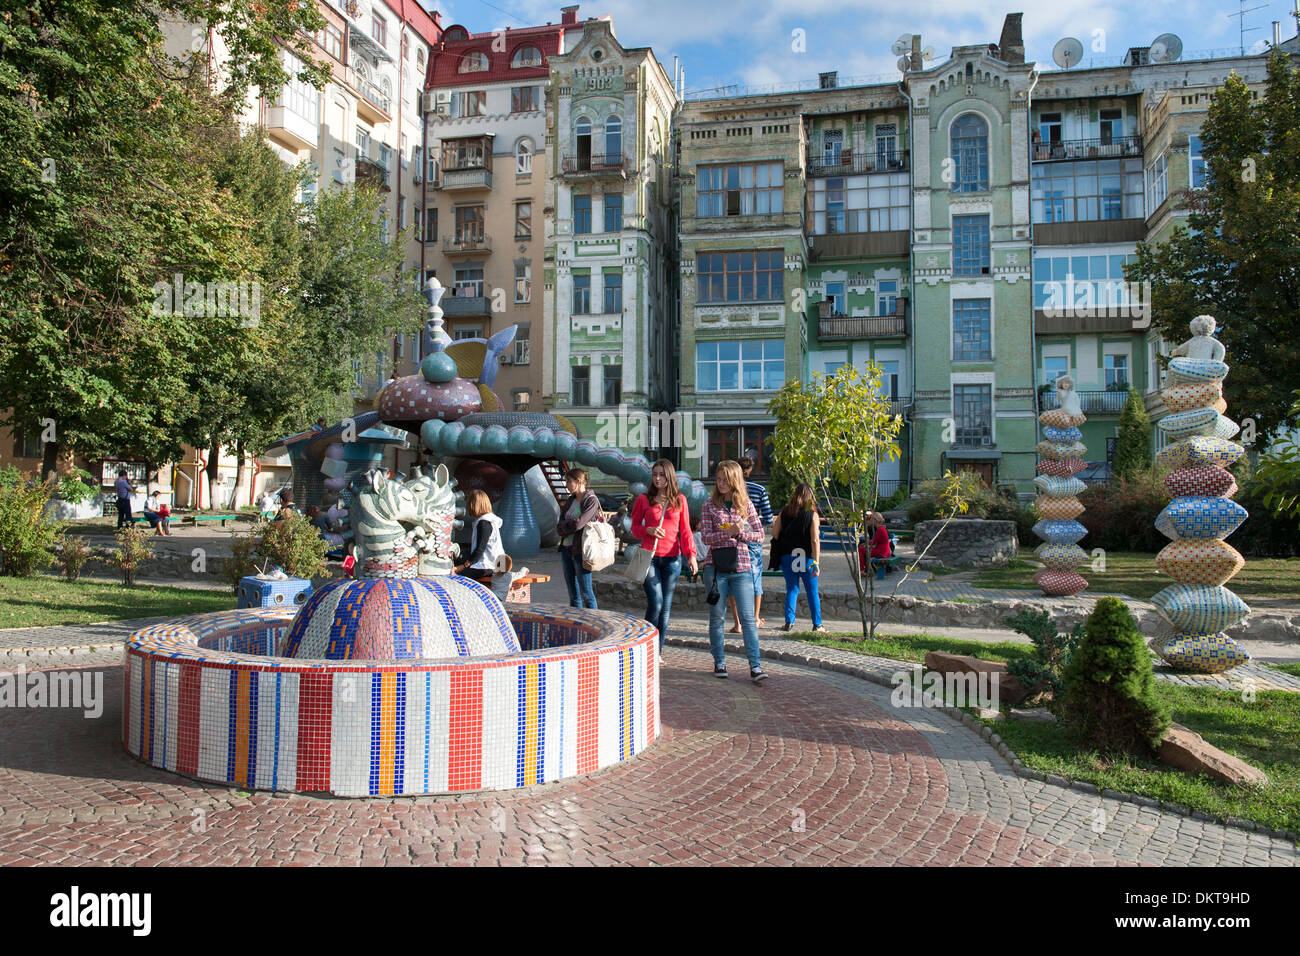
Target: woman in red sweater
<point>661,522</point>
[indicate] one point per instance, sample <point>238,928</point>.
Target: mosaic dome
<point>400,619</point>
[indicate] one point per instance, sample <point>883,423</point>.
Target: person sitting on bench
<point>485,541</point>
<point>157,513</point>
<point>880,549</point>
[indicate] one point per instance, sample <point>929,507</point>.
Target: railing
<point>889,486</point>
<point>852,162</point>
<point>1100,148</point>
<point>1092,402</point>
<point>860,326</point>
<point>467,242</point>
<point>374,94</point>
<point>899,406</point>
<point>595,163</point>
<point>370,171</point>
<point>453,305</point>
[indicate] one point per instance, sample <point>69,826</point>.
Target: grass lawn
<point>1135,574</point>
<point>44,600</point>
<point>913,647</point>
<point>1287,667</point>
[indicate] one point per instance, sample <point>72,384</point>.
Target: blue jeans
<point>578,580</point>
<point>739,585</point>
<point>792,579</point>
<point>660,583</point>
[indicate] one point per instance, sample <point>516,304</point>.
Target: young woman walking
<point>729,523</point>
<point>579,509</point>
<point>661,523</point>
<point>796,545</point>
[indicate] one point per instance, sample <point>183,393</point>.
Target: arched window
<point>613,140</point>
<point>970,154</point>
<point>475,62</point>
<point>524,157</point>
<point>582,132</point>
<point>526,56</point>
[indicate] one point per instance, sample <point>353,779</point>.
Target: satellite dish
<point>1067,52</point>
<point>902,45</point>
<point>903,64</point>
<point>1165,48</point>
<point>927,53</point>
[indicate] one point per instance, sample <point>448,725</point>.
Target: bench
<point>195,519</point>
<point>520,590</point>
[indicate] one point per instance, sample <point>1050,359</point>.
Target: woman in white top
<point>485,541</point>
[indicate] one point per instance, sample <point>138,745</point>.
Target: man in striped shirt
<point>758,495</point>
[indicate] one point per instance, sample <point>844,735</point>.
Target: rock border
<point>957,715</point>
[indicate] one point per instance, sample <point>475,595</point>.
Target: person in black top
<point>796,548</point>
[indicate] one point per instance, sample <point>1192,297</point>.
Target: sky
<point>786,43</point>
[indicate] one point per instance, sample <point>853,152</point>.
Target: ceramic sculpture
<point>1058,504</point>
<point>1198,607</point>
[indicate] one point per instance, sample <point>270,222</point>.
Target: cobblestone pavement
<point>812,767</point>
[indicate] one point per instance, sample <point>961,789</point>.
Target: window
<point>526,56</point>
<point>464,153</point>
<point>1196,163</point>
<point>523,220</point>
<point>418,221</point>
<point>971,330</point>
<point>887,297</point>
<point>331,40</point>
<point>581,214</point>
<point>970,245</point>
<point>1066,280</point>
<point>299,97</point>
<point>582,295</point>
<point>887,146</point>
<point>750,189</point>
<point>523,282</point>
<point>580,389</point>
<point>613,212</point>
<point>874,203</point>
<point>740,276</point>
<point>469,224</point>
<point>1054,366</point>
<point>832,146</point>
<point>401,215</point>
<point>468,280</point>
<point>972,407</point>
<point>524,158</point>
<point>28,444</point>
<point>460,332</point>
<point>525,99</point>
<point>736,366</point>
<point>612,385</point>
<point>1112,126</point>
<point>1049,128</point>
<point>582,137</point>
<point>363,143</point>
<point>474,62</point>
<point>734,442</point>
<point>378,29</point>
<point>1157,183</point>
<point>970,153</point>
<point>406,49</point>
<point>1086,191</point>
<point>613,293</point>
<point>431,226</point>
<point>432,172</point>
<point>835,296</point>
<point>613,140</point>
<point>1115,369</point>
<point>469,103</point>
<point>889,373</point>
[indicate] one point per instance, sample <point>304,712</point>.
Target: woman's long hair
<point>477,503</point>
<point>672,491</point>
<point>739,494</point>
<point>801,499</point>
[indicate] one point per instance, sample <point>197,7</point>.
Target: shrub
<point>241,564</point>
<point>77,487</point>
<point>1110,703</point>
<point>1133,447</point>
<point>1264,534</point>
<point>75,553</point>
<point>780,486</point>
<point>1043,673</point>
<point>1120,514</point>
<point>894,501</point>
<point>133,549</point>
<point>294,545</point>
<point>934,501</point>
<point>25,536</point>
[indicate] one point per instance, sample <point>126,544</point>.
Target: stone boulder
<point>1189,751</point>
<point>1010,690</point>
<point>968,543</point>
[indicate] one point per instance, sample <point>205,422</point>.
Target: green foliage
<point>133,549</point>
<point>1120,514</point>
<point>1265,534</point>
<point>240,563</point>
<point>78,487</point>
<point>25,536</point>
<point>294,545</point>
<point>1278,475</point>
<point>780,485</point>
<point>895,501</point>
<point>1239,266</point>
<point>75,553</point>
<point>1044,672</point>
<point>958,494</point>
<point>1110,703</point>
<point>1133,449</point>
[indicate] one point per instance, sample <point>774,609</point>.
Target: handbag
<point>638,566</point>
<point>598,544</point>
<point>725,560</point>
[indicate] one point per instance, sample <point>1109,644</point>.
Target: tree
<point>1239,262</point>
<point>1278,473</point>
<point>1133,449</point>
<point>833,434</point>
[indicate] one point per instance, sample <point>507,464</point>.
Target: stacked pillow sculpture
<point>1198,607</point>
<point>1060,459</point>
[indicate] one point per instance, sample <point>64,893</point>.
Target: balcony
<point>464,305</point>
<point>291,129</point>
<point>1111,147</point>
<point>369,171</point>
<point>472,177</point>
<point>373,105</point>
<point>851,163</point>
<point>466,244</point>
<point>901,405</point>
<point>1093,402</point>
<point>595,166</point>
<point>833,326</point>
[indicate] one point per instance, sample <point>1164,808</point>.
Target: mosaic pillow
<point>1062,435</point>
<point>1061,451</point>
<point>1198,451</point>
<point>1061,469</point>
<point>1060,418</point>
<point>1198,609</point>
<point>1207,481</point>
<point>1205,561</point>
<point>1058,509</point>
<point>1060,532</point>
<point>1055,487</point>
<point>1204,653</point>
<point>1184,370</point>
<point>1060,583</point>
<point>1199,421</point>
<point>1184,398</point>
<point>1061,557</point>
<point>1200,518</point>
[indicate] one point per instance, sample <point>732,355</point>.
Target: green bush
<point>1110,703</point>
<point>26,537</point>
<point>241,563</point>
<point>983,502</point>
<point>899,498</point>
<point>1120,514</point>
<point>1263,534</point>
<point>75,553</point>
<point>133,549</point>
<point>1133,448</point>
<point>294,545</point>
<point>1044,672</point>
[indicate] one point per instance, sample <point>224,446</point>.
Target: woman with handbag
<point>661,523</point>
<point>728,524</point>
<point>579,509</point>
<point>796,546</point>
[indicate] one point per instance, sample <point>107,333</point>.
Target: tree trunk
<point>49,459</point>
<point>211,472</point>
<point>239,475</point>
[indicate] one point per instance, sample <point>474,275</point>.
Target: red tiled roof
<point>447,57</point>
<point>419,18</point>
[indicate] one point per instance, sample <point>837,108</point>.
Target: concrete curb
<point>957,715</point>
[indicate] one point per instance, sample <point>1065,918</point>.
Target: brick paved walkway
<point>813,767</point>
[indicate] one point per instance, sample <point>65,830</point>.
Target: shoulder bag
<point>638,566</point>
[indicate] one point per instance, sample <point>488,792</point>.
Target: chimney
<point>1277,34</point>
<point>916,51</point>
<point>437,19</point>
<point>1011,45</point>
<point>569,15</point>
<point>828,81</point>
